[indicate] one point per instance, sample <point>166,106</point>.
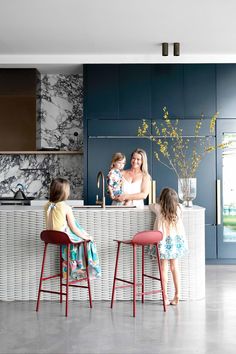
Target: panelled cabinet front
<point>118,97</point>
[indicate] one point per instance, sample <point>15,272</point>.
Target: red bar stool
<point>143,238</point>
<point>61,238</point>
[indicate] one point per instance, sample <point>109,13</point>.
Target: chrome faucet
<point>103,201</point>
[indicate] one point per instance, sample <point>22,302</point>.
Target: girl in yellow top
<point>59,217</point>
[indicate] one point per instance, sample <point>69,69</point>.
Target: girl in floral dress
<point>173,245</point>
<point>59,217</point>
<point>115,178</point>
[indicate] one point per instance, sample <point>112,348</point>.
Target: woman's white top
<point>133,188</point>
<point>164,226</point>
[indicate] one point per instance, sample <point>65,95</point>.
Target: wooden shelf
<point>46,152</point>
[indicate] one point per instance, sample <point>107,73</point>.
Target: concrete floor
<point>206,326</point>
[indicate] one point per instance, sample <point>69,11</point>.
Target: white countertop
<point>96,208</point>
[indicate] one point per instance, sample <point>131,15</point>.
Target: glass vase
<point>187,190</point>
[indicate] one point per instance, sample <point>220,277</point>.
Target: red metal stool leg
<point>134,280</point>
<point>87,272</point>
<point>115,274</point>
<point>41,276</point>
<point>67,278</point>
<point>61,275</point>
<point>143,271</point>
<point>161,278</point>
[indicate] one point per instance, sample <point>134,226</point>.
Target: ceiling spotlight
<point>176,49</point>
<point>165,49</point>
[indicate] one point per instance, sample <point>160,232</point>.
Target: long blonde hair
<point>169,202</point>
<point>118,156</point>
<point>144,166</point>
<point>59,190</point>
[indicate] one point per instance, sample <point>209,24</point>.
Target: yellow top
<point>55,214</point>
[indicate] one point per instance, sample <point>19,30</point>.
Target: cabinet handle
<point>152,194</point>
<point>218,201</point>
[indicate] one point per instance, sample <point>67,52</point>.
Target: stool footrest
<point>51,276</point>
<point>76,286</point>
<point>125,281</point>
<point>150,292</point>
<point>127,286</point>
<point>150,276</point>
<point>52,292</point>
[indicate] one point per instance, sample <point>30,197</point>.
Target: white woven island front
<point>21,251</point>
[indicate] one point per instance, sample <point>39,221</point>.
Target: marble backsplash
<point>35,173</point>
<point>61,116</point>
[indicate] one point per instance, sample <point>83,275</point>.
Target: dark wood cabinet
<point>18,82</point>
<point>18,109</point>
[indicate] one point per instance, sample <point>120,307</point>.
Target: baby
<point>115,178</point>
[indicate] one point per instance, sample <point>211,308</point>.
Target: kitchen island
<point>21,251</point>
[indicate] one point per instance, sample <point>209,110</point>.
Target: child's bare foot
<point>175,301</point>
<point>166,301</point>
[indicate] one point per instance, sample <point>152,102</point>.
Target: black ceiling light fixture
<point>164,49</point>
<point>176,49</point>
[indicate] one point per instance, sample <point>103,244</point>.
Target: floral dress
<point>115,181</point>
<point>115,184</point>
<point>174,244</point>
<point>56,220</point>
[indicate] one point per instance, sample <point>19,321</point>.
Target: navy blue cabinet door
<point>101,91</point>
<point>210,242</point>
<point>167,90</point>
<point>100,151</point>
<point>226,90</point>
<point>199,90</point>
<point>134,91</point>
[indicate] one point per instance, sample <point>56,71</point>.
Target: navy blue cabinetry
<point>226,90</point>
<point>199,90</point>
<point>167,90</point>
<point>101,91</point>
<point>117,97</point>
<point>134,91</point>
<point>210,242</point>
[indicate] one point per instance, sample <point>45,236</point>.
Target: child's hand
<point>86,236</point>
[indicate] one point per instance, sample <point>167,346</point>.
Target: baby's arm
<point>71,223</point>
<point>111,192</point>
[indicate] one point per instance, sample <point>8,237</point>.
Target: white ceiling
<point>56,35</point>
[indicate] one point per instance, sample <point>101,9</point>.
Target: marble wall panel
<point>60,116</point>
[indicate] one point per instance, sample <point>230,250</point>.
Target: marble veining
<point>60,108</point>
<point>61,117</point>
<point>36,171</point>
